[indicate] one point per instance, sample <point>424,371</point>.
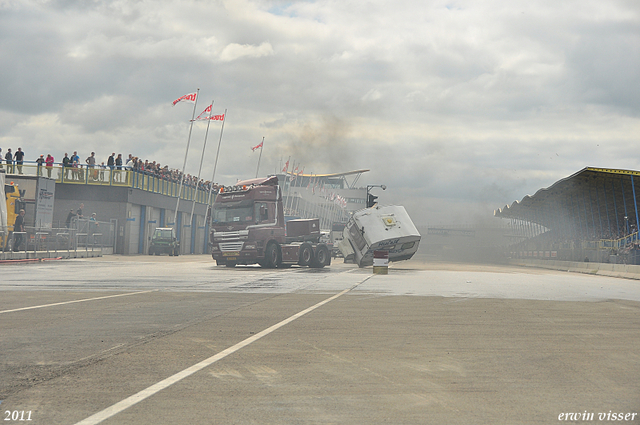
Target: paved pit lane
<point>142,340</point>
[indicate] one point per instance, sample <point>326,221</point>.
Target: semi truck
<point>379,228</point>
<point>248,227</point>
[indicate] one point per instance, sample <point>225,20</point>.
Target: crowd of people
<point>74,168</point>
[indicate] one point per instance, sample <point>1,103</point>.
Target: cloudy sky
<point>459,107</point>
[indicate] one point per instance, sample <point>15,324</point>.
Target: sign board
<point>3,205</point>
<point>45,192</point>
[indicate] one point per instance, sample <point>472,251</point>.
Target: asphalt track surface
<point>165,340</point>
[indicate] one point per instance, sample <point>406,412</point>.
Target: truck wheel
<point>322,257</point>
<point>306,254</point>
<point>272,255</point>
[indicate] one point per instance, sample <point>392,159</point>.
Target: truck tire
<point>322,257</point>
<point>272,255</point>
<point>306,254</point>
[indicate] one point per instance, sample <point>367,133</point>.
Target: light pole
<point>370,198</point>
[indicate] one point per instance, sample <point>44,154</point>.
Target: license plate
<point>230,254</point>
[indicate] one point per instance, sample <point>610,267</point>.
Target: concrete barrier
<point>34,256</point>
<point>625,271</point>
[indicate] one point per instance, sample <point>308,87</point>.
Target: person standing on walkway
<point>66,164</point>
<point>40,162</point>
<point>91,163</point>
<point>19,158</point>
<point>49,161</point>
<point>18,229</point>
<point>76,171</point>
<point>119,167</point>
<point>9,160</point>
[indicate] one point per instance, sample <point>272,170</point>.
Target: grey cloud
<point>465,106</point>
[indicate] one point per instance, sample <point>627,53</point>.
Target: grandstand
<point>331,198</point>
<point>591,215</point>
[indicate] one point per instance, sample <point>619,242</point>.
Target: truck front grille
<point>231,246</point>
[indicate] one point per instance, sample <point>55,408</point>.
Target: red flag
<point>191,97</point>
<point>205,114</point>
<point>286,167</point>
<point>258,147</point>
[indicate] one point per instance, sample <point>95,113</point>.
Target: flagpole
<point>193,204</point>
<point>289,202</point>
<point>284,183</point>
<point>215,164</point>
<point>184,165</point>
<point>261,147</point>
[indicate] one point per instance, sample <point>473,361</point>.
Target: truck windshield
<point>233,212</point>
<point>162,234</point>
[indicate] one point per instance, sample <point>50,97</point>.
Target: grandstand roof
<point>595,197</point>
<point>332,176</point>
<point>347,173</point>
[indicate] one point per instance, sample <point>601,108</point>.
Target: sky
<point>458,107</point>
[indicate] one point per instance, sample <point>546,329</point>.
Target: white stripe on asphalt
<point>155,388</point>
<point>75,301</point>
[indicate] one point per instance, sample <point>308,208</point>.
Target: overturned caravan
<point>380,228</point>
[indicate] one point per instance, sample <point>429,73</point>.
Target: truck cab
<point>248,227</point>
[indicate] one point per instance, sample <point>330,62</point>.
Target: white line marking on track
<point>75,301</point>
<point>155,388</point>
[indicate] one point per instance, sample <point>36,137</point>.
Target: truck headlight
<point>249,247</point>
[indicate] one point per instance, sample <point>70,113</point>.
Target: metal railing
<point>83,234</point>
<point>106,176</point>
<point>618,243</point>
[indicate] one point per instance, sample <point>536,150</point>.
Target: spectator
<point>9,160</point>
<point>91,163</point>
<point>119,167</point>
<point>94,227</point>
<point>76,173</point>
<point>66,164</point>
<point>40,162</point>
<point>49,161</point>
<point>102,168</point>
<point>19,158</point>
<point>70,217</point>
<point>18,229</point>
